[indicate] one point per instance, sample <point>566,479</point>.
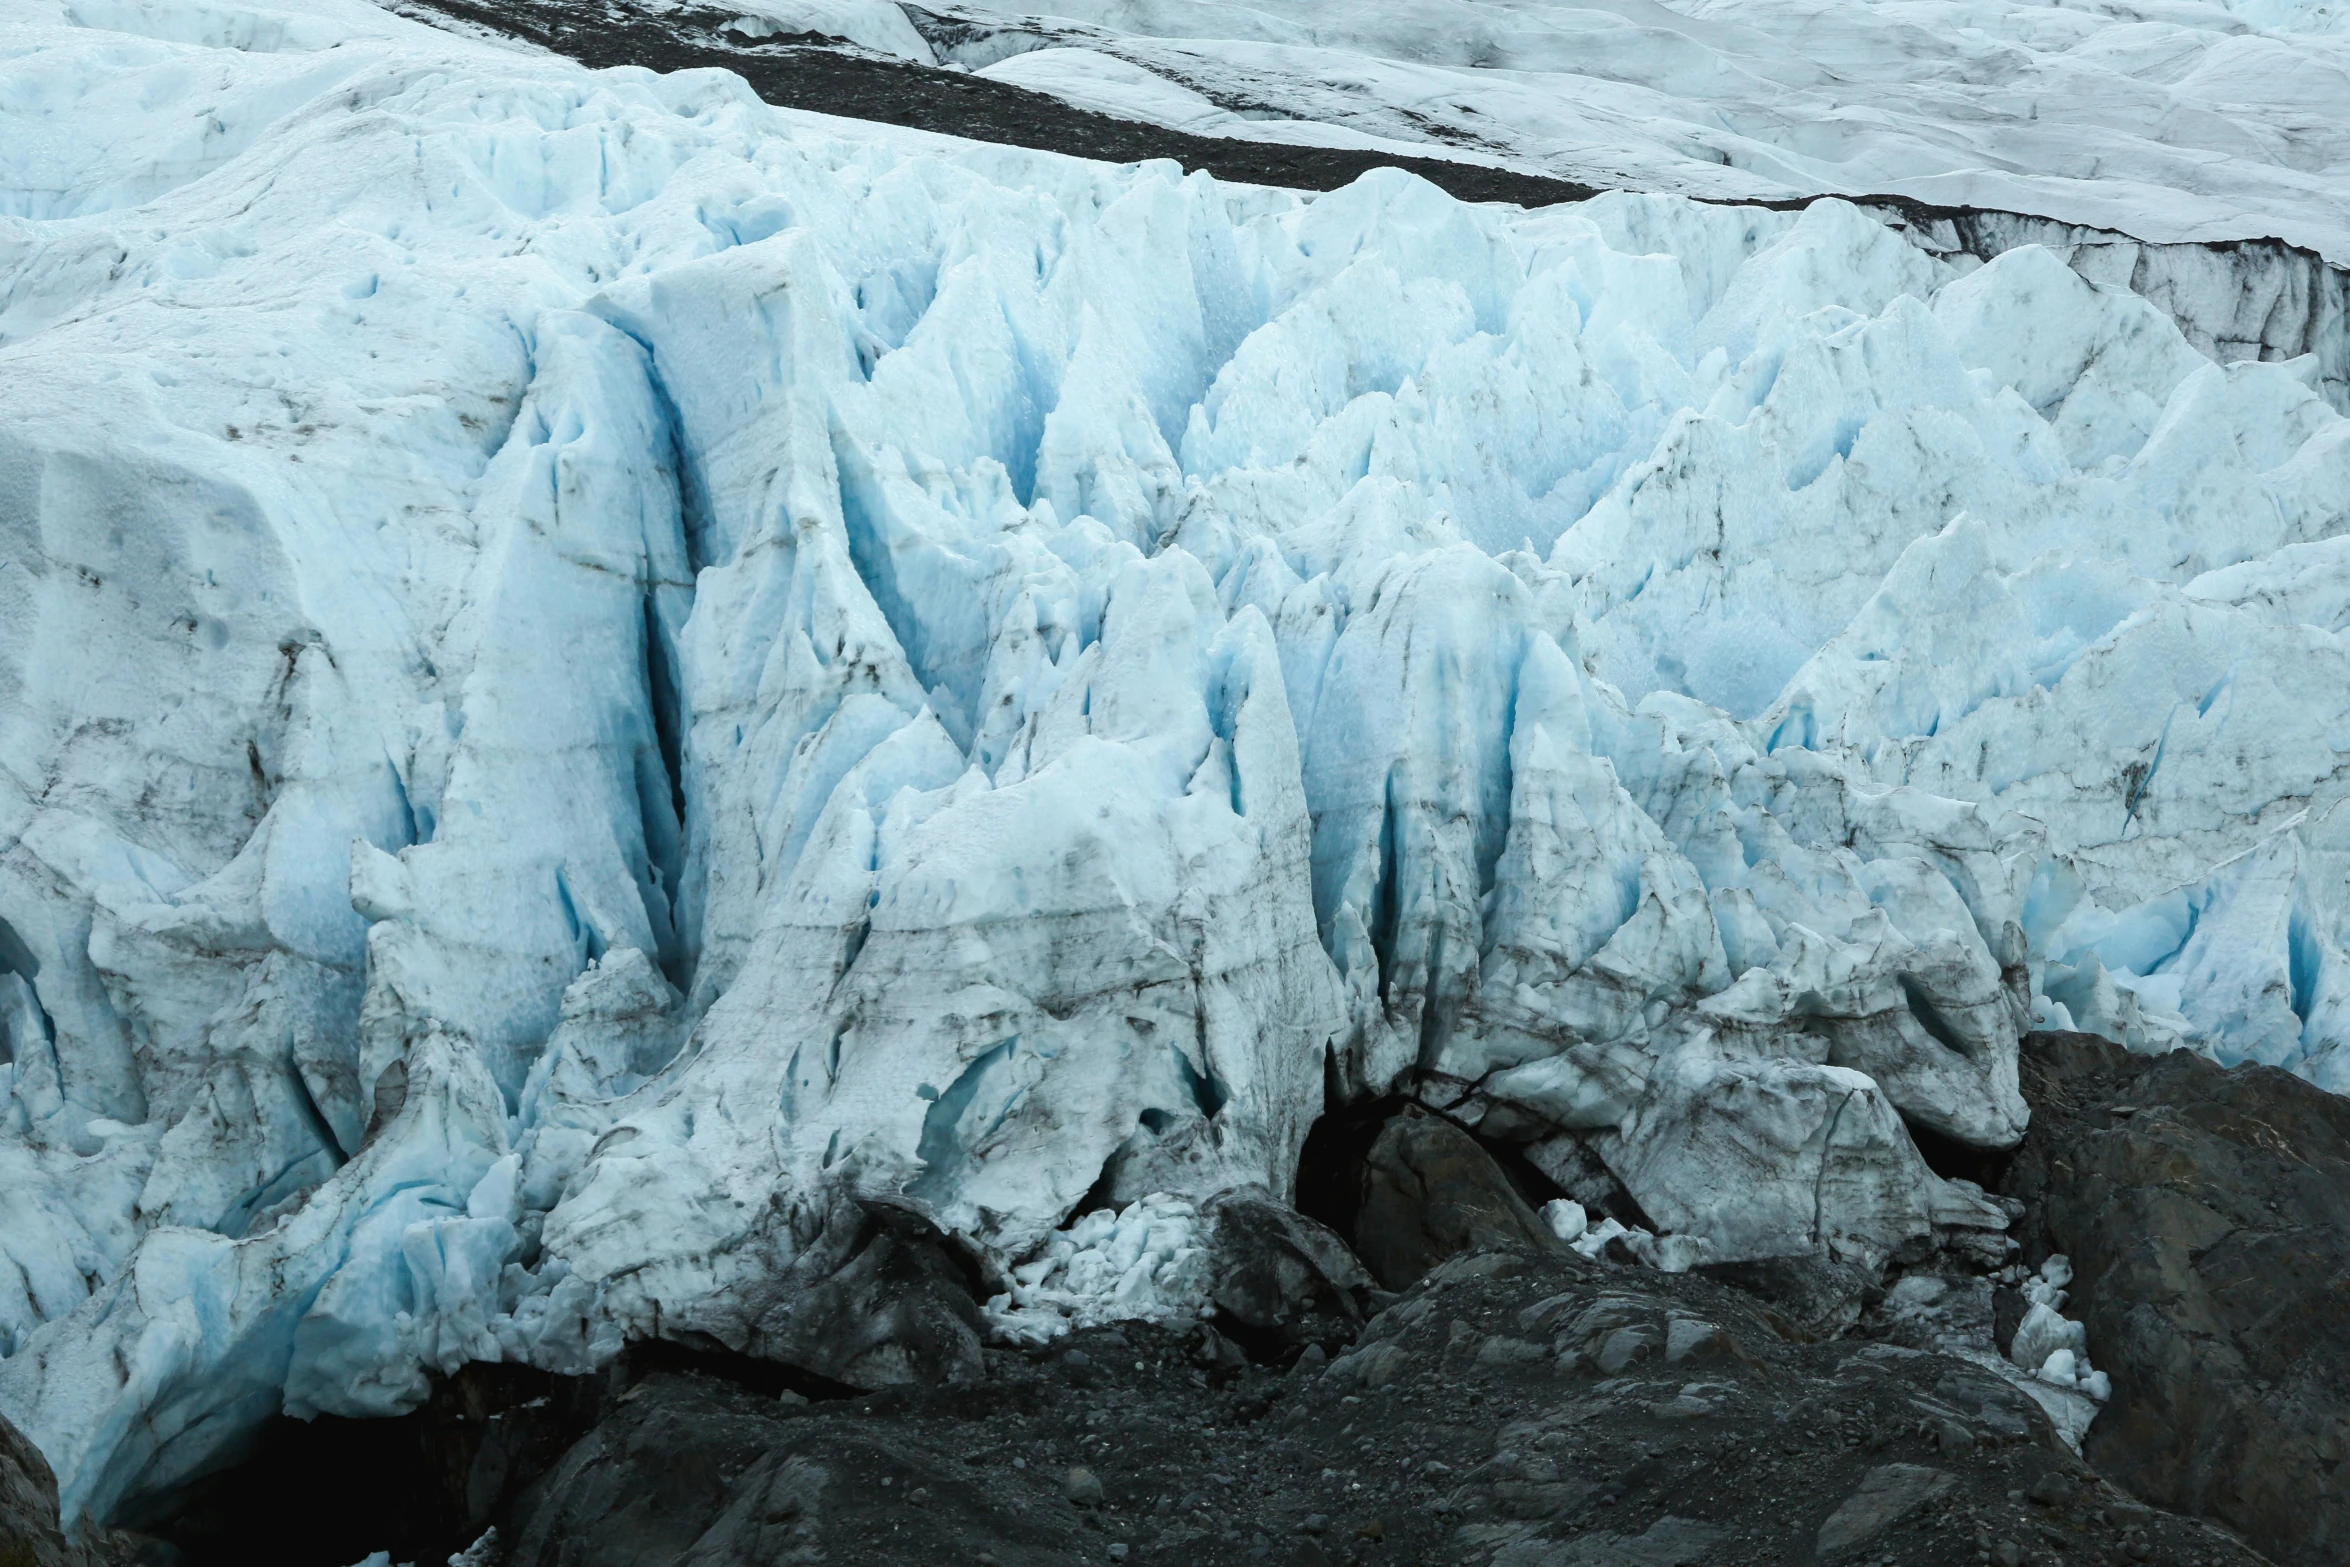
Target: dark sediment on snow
<point>812,73</point>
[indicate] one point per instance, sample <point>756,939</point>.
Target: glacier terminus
<point>595,674</point>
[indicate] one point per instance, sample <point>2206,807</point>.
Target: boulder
<point>1429,1192</point>
<point>880,1298</point>
<point>1281,1281</point>
<point>2207,1215</point>
<point>30,1534</point>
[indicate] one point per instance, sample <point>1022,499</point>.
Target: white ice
<point>2050,1345</point>
<point>587,665</point>
<point>2048,1356</point>
<point>1146,1262</point>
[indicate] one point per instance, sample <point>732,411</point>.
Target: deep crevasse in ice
<point>588,665</point>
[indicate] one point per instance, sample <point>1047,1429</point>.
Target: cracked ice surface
<point>589,666</point>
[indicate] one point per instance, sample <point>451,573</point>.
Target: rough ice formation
<point>2050,1345</point>
<point>1145,1262</point>
<point>589,668</point>
<point>2045,1358</point>
<point>2048,1356</point>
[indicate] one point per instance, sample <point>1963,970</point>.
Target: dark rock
<point>1514,1404</point>
<point>880,1298</point>
<point>649,1482</point>
<point>1216,1354</point>
<point>1280,1280</point>
<point>2007,1314</point>
<point>691,1470</point>
<point>1886,1495</point>
<point>2207,1216</point>
<point>1751,1456</point>
<point>1669,1542</point>
<point>1818,1297</point>
<point>434,1477</point>
<point>1430,1192</point>
<point>30,1535</point>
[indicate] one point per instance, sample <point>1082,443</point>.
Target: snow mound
<point>591,668</point>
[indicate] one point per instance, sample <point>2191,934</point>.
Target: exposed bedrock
<point>1529,1409</point>
<point>31,1534</point>
<point>1278,1281</point>
<point>2207,1216</point>
<point>1427,1191</point>
<point>1525,1398</point>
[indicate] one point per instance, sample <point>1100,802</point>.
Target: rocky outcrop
<point>1518,1409</point>
<point>880,1298</point>
<point>29,1531</point>
<point>2207,1216</point>
<point>1517,1405</point>
<point>1429,1191</point>
<point>1280,1281</point>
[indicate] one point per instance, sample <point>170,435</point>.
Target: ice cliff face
<point>588,667</point>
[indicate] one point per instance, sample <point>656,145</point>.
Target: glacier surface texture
<point>591,670</point>
<point>2168,119</point>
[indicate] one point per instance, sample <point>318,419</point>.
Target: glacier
<point>594,672</point>
<point>2173,120</point>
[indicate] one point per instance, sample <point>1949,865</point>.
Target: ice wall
<point>588,666</point>
<point>2246,299</point>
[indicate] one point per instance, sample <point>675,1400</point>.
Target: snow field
<point>2172,120</point>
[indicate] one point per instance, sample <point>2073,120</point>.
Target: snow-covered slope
<point>588,665</point>
<point>2167,119</point>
